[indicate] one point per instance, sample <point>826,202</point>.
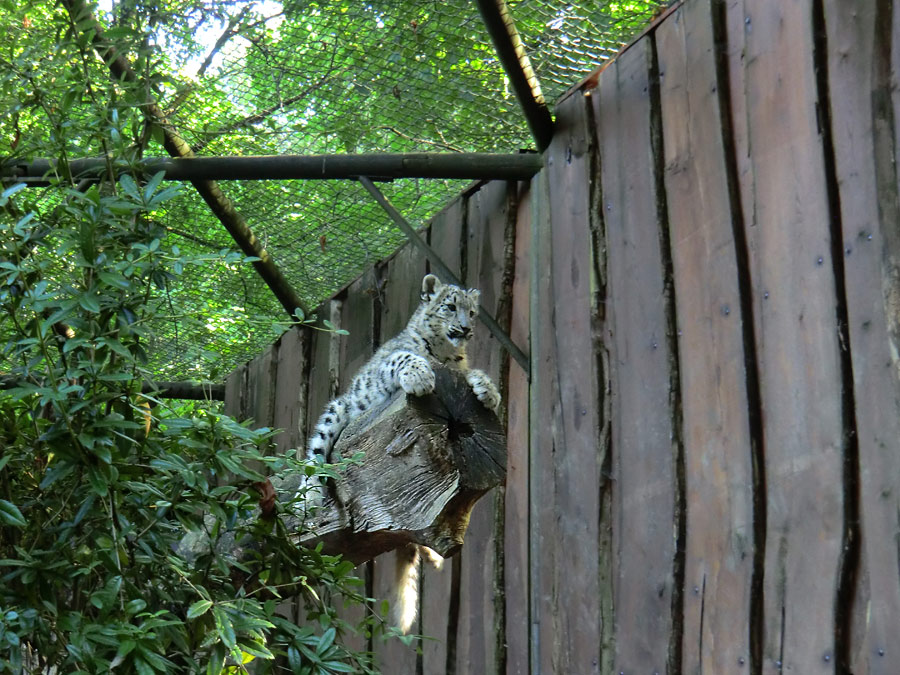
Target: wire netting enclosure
<point>304,77</point>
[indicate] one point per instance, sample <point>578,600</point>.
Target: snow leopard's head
<point>448,313</point>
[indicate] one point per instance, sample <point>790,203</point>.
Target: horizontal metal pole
<point>469,166</point>
<point>194,391</point>
<point>197,391</point>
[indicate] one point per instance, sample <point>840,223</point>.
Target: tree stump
<point>427,461</point>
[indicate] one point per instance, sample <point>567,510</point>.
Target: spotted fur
<point>437,333</point>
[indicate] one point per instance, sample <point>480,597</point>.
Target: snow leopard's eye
<point>471,312</point>
<point>451,307</point>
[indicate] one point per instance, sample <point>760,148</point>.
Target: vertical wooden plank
<point>488,212</point>
<point>291,384</point>
<point>516,530</point>
<point>445,235</point>
<point>601,335</point>
<point>402,287</point>
<point>887,149</point>
<point>235,392</point>
<point>321,387</point>
<point>643,432</point>
<point>324,364</point>
<point>358,319</point>
<point>290,410</point>
<point>717,444</point>
<point>797,337</point>
<point>576,469</point>
<point>542,552</point>
<point>261,373</point>
<point>251,380</point>
<point>859,74</point>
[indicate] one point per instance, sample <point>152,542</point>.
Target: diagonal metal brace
<point>445,274</point>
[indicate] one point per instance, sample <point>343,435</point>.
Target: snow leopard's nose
<point>463,333</point>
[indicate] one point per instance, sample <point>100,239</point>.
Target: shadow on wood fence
<point>704,471</point>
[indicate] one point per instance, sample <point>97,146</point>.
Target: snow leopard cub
<point>437,333</point>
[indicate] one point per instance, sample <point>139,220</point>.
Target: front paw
<point>417,378</point>
<point>484,389</point>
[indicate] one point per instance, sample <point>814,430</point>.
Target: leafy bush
<point>99,479</point>
<point>99,482</point>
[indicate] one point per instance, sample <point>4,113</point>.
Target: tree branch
<point>176,146</point>
<point>226,35</point>
<point>261,116</point>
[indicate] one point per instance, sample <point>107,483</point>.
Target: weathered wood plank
<point>888,149</point>
<point>797,336</point>
<point>516,530</point>
<point>402,287</point>
<point>324,365</point>
<point>601,335</point>
<point>261,382</point>
<point>290,410</point>
<point>542,552</point>
<point>357,318</point>
<point>643,430</point>
<point>291,383</point>
<point>867,208</point>
<point>235,392</point>
<point>444,236</point>
<point>717,444</point>
<point>488,212</point>
<point>446,231</point>
<point>321,386</point>
<point>576,422</point>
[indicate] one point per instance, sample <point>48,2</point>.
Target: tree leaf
<point>10,514</point>
<point>294,660</point>
<point>89,302</point>
<point>151,186</point>
<point>10,191</point>
<point>199,608</point>
<point>326,640</point>
<point>225,628</point>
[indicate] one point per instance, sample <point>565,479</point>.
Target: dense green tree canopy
<point>304,76</point>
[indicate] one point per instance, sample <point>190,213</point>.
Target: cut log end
<point>427,461</point>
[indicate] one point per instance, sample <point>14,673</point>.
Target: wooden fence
<point>704,469</point>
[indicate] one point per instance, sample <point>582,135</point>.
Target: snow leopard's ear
<point>431,286</point>
<point>474,295</point>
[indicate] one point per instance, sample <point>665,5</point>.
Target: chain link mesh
<point>323,76</point>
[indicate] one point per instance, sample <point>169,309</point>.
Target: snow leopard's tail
<point>331,423</point>
<point>405,603</point>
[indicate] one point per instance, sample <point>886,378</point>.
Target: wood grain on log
<point>427,461</point>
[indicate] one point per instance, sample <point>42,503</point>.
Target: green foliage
<point>297,76</point>
<point>99,482</point>
<point>97,489</point>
